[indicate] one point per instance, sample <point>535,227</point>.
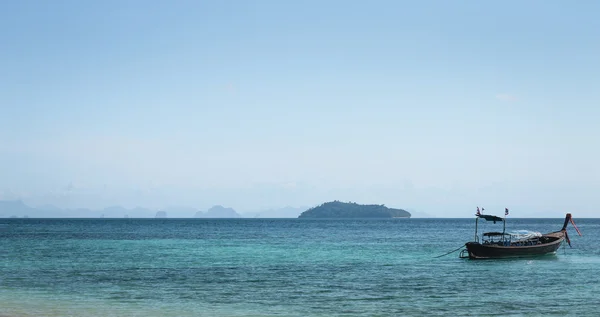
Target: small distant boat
<point>495,245</point>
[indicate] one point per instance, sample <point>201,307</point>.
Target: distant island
<point>218,211</point>
<point>337,209</point>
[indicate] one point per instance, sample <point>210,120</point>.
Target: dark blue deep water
<point>286,267</point>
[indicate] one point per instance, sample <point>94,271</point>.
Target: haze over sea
<point>285,267</point>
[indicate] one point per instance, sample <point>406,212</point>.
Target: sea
<point>287,267</point>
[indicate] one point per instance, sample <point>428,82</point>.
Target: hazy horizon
<point>437,107</point>
<point>287,211</point>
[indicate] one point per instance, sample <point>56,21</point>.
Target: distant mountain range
<point>17,208</point>
<point>285,212</point>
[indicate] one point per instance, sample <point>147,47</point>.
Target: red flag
<point>506,211</point>
<point>478,211</point>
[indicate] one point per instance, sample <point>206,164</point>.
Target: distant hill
<point>419,214</point>
<point>49,208</point>
<point>218,212</point>
<point>113,212</point>
<point>337,209</point>
<point>285,212</point>
<point>16,208</point>
<point>19,209</point>
<point>180,211</point>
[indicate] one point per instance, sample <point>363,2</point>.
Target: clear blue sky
<point>437,106</point>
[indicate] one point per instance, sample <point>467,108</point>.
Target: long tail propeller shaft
<point>567,220</point>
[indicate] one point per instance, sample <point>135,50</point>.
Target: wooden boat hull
<point>477,250</point>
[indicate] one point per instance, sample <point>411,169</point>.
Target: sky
<point>432,106</point>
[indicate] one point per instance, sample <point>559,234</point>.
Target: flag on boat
<point>506,211</point>
<point>478,213</point>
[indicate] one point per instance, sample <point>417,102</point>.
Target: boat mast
<point>476,221</point>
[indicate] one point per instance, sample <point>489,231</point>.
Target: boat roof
<point>491,218</point>
<point>495,234</point>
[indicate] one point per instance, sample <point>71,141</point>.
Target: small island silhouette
<point>338,209</point>
<point>218,211</point>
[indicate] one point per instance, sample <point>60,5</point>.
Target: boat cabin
<point>499,238</point>
<point>506,239</point>
<point>491,236</point>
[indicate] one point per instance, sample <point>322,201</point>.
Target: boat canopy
<point>491,218</point>
<point>495,234</point>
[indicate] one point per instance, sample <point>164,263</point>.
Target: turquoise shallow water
<point>285,267</point>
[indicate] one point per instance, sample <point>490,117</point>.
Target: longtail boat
<point>494,245</point>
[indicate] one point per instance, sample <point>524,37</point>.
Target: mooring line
<point>439,256</point>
